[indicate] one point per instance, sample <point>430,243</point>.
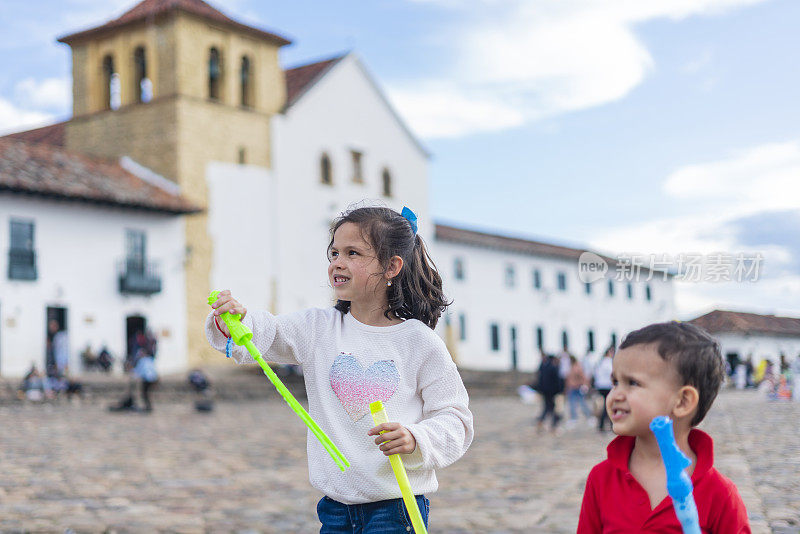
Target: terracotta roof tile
<point>520,245</point>
<point>300,79</point>
<point>51,135</point>
<point>722,321</point>
<point>512,244</point>
<point>46,170</point>
<point>149,9</point>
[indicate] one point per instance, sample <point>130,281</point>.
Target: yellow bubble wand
<point>241,335</point>
<point>379,416</point>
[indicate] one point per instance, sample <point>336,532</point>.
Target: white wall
<point>484,298</point>
<point>759,346</point>
<point>343,111</point>
<point>240,223</point>
<point>78,247</point>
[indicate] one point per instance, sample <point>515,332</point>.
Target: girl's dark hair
<point>416,292</point>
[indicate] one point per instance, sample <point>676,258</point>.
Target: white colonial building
<point>749,335</point>
<point>514,298</point>
<point>95,245</point>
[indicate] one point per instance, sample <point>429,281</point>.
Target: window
<point>590,341</point>
<point>214,74</point>
<point>565,339</point>
<point>510,275</point>
<point>458,269</point>
<point>358,176</point>
<point>108,81</point>
<point>610,288</point>
<point>21,254</point>
<point>325,174</point>
<point>562,282</point>
<point>588,288</point>
<point>630,291</point>
<point>135,247</point>
<point>537,279</point>
<point>648,294</point>
<point>138,276</point>
<point>386,178</point>
<point>540,338</point>
<point>462,327</point>
<point>494,331</point>
<point>245,79</point>
<point>141,84</point>
<point>242,155</point>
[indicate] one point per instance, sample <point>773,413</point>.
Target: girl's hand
<point>226,303</point>
<point>396,439</point>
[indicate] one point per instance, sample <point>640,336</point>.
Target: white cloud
<point>541,58</point>
<point>699,63</point>
<point>14,119</point>
<point>52,93</point>
<point>758,180</point>
<point>776,296</point>
<point>441,112</point>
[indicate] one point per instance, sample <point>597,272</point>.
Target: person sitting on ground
<point>202,387</point>
<point>105,359</point>
<point>32,385</point>
<point>666,369</point>
<point>88,358</point>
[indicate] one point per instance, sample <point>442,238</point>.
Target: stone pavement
<point>242,468</point>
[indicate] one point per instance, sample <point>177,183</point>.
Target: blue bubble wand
<point>679,485</point>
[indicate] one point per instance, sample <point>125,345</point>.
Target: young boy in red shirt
<point>672,369</point>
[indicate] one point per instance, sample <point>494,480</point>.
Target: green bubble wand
<point>242,336</point>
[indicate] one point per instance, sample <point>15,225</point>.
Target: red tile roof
<point>722,322</point>
<point>48,171</point>
<point>512,244</point>
<point>51,135</point>
<point>149,9</point>
<point>301,79</point>
<point>519,245</point>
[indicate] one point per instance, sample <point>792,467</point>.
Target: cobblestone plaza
<point>242,468</point>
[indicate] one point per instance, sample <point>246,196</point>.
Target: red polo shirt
<point>614,502</point>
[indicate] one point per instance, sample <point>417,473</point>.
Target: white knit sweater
<point>347,365</point>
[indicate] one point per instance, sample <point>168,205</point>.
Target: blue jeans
<point>576,397</point>
<point>380,517</point>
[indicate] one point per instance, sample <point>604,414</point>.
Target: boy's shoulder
<point>705,478</point>
<point>618,453</point>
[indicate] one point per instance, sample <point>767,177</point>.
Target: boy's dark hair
<point>694,353</point>
<point>416,292</point>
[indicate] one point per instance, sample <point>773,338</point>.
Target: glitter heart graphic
<point>356,387</point>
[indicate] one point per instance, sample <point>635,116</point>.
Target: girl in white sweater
<point>377,343</point>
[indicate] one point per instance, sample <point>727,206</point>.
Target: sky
<point>634,127</point>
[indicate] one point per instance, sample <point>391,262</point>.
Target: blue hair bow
<point>411,217</point>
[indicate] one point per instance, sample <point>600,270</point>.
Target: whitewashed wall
<point>240,223</point>
<point>78,248</point>
<point>484,298</point>
<point>343,111</point>
<point>761,347</point>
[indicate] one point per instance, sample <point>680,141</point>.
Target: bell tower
<point>175,85</point>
